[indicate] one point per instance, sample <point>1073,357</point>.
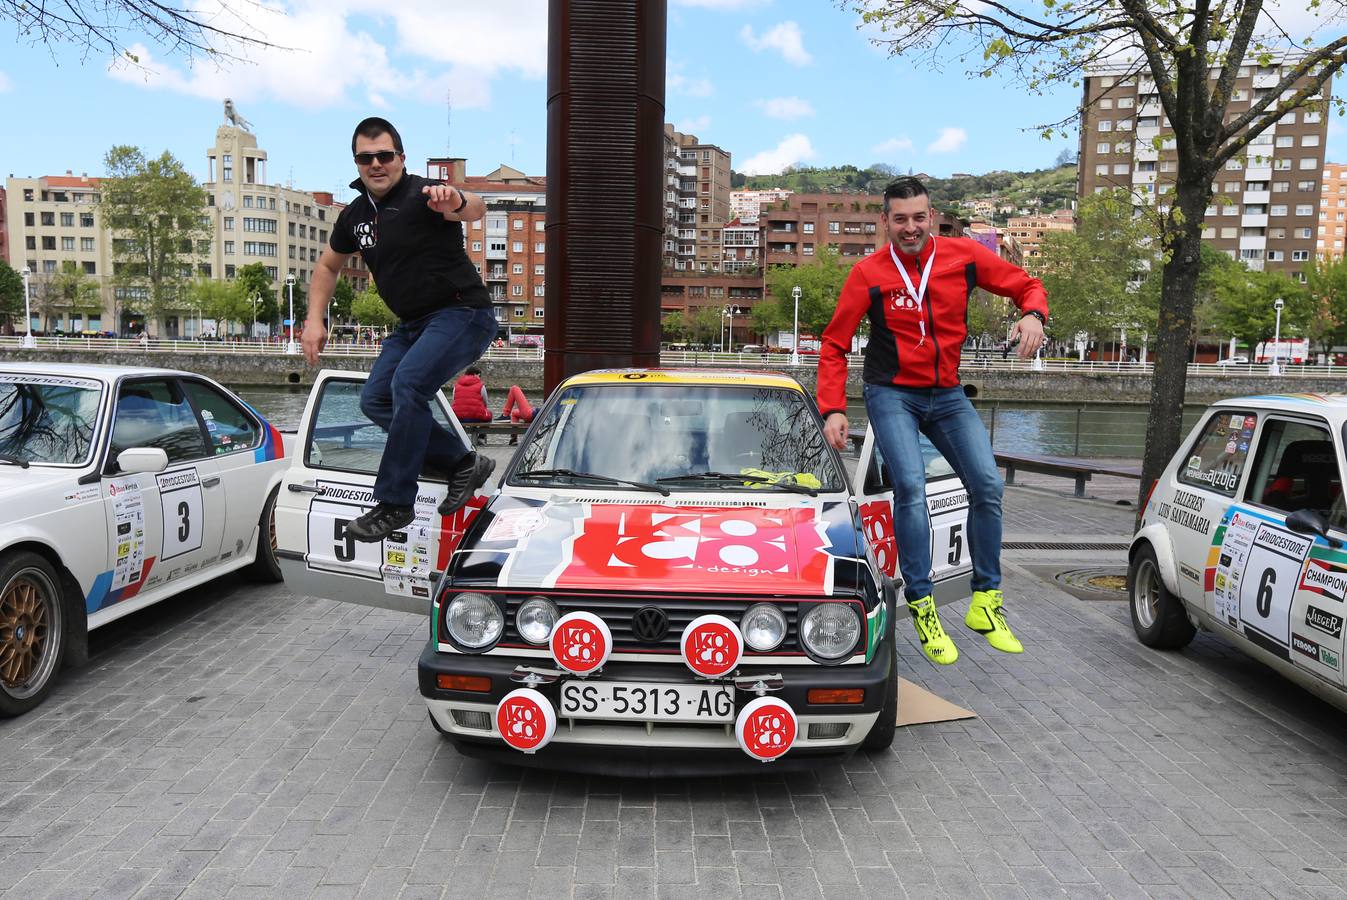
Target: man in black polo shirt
<point>409,231</point>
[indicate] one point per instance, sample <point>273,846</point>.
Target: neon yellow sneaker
<point>934,642</point>
<point>986,617</point>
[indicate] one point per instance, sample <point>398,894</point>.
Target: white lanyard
<point>920,292</point>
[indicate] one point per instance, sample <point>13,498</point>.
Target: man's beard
<point>920,245</point>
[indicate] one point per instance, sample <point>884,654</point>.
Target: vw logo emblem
<point>650,625</point>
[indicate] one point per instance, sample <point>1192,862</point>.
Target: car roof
<point>105,374</point>
<point>699,377</point>
<point>1330,406</point>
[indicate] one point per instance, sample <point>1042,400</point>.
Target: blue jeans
<point>418,359</point>
<point>946,417</point>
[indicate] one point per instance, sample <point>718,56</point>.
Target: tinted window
<point>344,438</point>
<point>156,414</point>
<point>229,427</point>
<point>1297,468</point>
<point>1216,459</point>
<point>47,419</point>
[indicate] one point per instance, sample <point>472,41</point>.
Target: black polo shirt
<point>414,254</point>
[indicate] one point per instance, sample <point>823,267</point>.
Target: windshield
<point>650,433</point>
<point>47,419</point>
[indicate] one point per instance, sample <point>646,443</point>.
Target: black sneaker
<point>380,522</point>
<point>502,418</point>
<point>467,477</point>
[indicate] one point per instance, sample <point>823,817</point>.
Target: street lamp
<point>1275,368</point>
<point>28,342</point>
<point>252,326</point>
<point>795,341</point>
<point>290,348</point>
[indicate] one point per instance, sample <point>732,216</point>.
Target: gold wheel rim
<point>25,628</point>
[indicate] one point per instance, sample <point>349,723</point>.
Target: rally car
<point>674,574</point>
<point>1243,535</point>
<point>121,486</point>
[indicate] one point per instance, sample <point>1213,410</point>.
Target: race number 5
<point>183,510</point>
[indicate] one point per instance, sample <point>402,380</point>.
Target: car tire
<point>32,631</point>
<point>881,733</point>
<point>1158,617</point>
<point>265,566</point>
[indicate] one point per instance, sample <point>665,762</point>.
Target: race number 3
<point>183,510</point>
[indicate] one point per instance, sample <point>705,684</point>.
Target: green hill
<point>1049,189</point>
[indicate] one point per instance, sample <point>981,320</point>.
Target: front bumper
<point>647,748</point>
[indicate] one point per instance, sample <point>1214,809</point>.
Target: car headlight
<point>763,627</point>
<point>830,630</point>
<point>474,620</point>
<point>536,618</point>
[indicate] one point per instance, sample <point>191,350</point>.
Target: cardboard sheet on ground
<point>918,706</point>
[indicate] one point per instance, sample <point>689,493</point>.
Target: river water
<point>1115,430</point>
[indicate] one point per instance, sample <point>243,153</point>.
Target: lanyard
<point>920,292</point>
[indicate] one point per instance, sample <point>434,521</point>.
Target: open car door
<point>946,504</point>
<point>331,481</point>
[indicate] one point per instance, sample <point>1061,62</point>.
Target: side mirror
<point>1311,522</point>
<point>137,460</point>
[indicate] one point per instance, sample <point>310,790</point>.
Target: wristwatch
<point>1043,320</point>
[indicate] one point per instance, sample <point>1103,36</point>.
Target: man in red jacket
<point>915,292</point>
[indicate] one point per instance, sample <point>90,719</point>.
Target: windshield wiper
<point>13,460</point>
<point>590,476</point>
<point>726,477</point>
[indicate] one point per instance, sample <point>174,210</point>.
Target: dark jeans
<point>418,359</point>
<point>946,417</point>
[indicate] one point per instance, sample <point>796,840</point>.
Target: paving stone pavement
<point>242,742</point>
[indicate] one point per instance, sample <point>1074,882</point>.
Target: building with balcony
<point>1332,212</point>
<point>1265,208</point>
<point>696,199</point>
<point>747,205</point>
<point>1029,231</point>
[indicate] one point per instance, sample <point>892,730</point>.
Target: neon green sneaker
<point>986,617</point>
<point>934,642</point>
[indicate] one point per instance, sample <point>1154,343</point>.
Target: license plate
<point>647,702</point>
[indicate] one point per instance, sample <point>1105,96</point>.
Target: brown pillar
<point>605,218</point>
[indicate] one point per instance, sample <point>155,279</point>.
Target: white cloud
<point>694,125</point>
<point>5,83</point>
<point>785,107</point>
<point>324,57</point>
<point>684,86</point>
<point>950,140</point>
<point>791,151</point>
<point>893,146</point>
<point>786,38</point>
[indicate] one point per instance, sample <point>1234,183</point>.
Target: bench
<point>1074,467</point>
<point>478,431</point>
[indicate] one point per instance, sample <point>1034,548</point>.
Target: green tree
<point>255,283</point>
<point>339,308</point>
<point>11,295</point>
<point>1326,281</point>
<point>153,209</point>
<point>673,327</point>
<point>1098,277</point>
<point>1190,55</point>
<point>820,284</point>
<point>69,290</point>
<point>368,308</point>
<point>223,301</point>
<point>1244,305</point>
<point>705,325</point>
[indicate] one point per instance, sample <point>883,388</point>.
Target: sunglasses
<point>383,156</point>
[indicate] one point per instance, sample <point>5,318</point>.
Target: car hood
<point>17,482</point>
<point>790,547</point>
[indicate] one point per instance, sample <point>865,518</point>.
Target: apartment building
<point>1332,212</point>
<point>1265,208</point>
<point>4,228</point>
<point>55,218</point>
<point>746,205</point>
<point>1029,231</point>
<point>696,197</point>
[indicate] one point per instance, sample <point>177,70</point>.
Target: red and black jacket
<point>897,353</point>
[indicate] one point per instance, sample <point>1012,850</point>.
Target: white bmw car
<point>121,486</point>
<point>1245,535</point>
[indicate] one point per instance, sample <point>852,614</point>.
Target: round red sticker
<point>581,642</point>
<point>712,646</point>
<point>526,720</point>
<point>766,728</point>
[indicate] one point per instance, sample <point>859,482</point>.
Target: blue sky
<point>775,82</point>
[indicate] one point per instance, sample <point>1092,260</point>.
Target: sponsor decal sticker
<point>1321,578</point>
<point>766,728</point>
<point>712,646</point>
<point>1329,658</point>
<point>1305,645</point>
<point>1326,622</point>
<point>526,720</point>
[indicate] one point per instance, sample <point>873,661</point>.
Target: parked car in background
<point>122,486</point>
<point>675,573</point>
<point>1233,361</point>
<point>1245,535</point>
